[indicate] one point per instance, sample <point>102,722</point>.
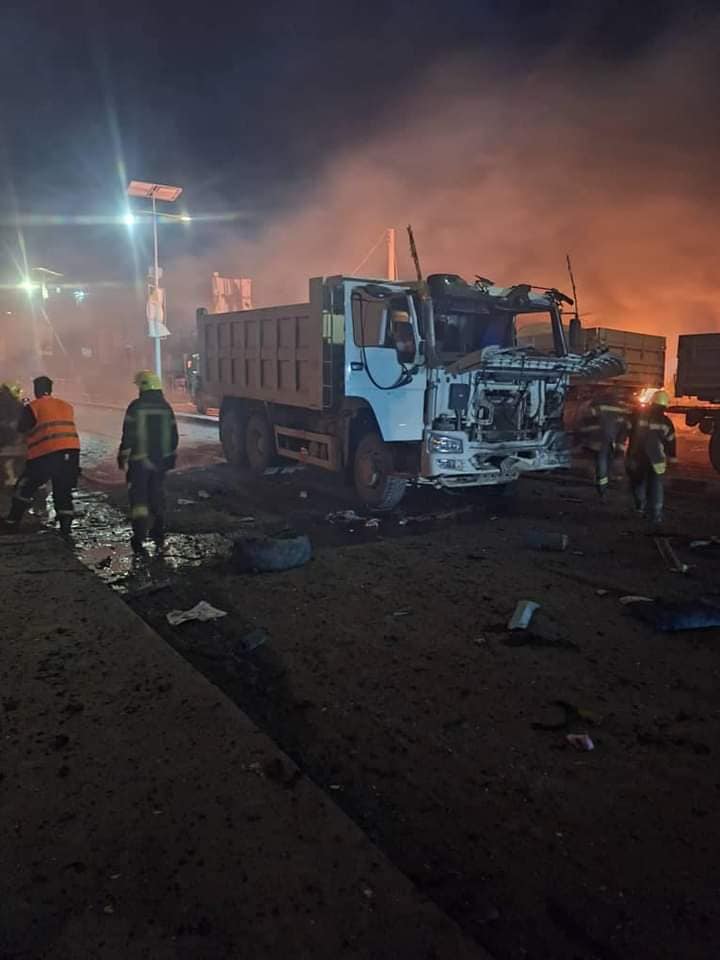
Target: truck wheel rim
<point>370,475</point>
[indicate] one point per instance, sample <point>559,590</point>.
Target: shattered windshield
<point>463,326</point>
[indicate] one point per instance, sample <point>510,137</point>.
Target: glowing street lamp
<point>166,194</point>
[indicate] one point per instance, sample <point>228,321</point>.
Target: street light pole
<point>168,194</point>
<point>158,347</point>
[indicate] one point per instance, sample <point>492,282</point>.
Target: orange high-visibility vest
<point>54,428</point>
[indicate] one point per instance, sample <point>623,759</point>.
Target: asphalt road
<point>385,668</point>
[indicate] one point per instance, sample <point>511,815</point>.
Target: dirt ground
<point>386,670</point>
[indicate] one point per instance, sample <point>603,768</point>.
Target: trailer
<point>395,383</point>
<point>698,377</point>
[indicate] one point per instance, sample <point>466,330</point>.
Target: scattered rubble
<point>541,540</point>
<point>580,741</point>
<point>201,611</point>
<point>523,614</point>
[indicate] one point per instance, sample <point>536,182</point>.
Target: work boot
<point>66,528</point>
<point>138,547</point>
<point>157,535</point>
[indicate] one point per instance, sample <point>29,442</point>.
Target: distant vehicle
<point>698,376</point>
<point>396,383</point>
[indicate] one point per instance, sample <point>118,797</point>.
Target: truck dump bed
<point>643,353</point>
<point>272,354</point>
<point>698,369</point>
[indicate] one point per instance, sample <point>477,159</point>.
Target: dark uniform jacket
<point>606,423</point>
<point>149,432</point>
<point>652,440</point>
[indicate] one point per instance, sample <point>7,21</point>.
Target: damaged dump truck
<point>396,383</point>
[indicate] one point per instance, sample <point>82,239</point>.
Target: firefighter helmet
<point>660,399</point>
<point>147,380</point>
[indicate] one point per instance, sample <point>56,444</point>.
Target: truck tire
<point>706,426</point>
<point>271,554</point>
<point>372,472</point>
<point>259,443</point>
<point>714,448</point>
<point>232,436</point>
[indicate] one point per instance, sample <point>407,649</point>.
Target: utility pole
<point>392,268</point>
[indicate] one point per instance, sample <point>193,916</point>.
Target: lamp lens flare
<point>129,220</point>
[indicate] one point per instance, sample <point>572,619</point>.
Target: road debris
<point>254,639</point>
<point>202,611</point>
<point>402,613</point>
<point>148,589</point>
<point>700,544</point>
<point>204,495</point>
<point>372,522</point>
<point>633,598</point>
<point>671,617</point>
<point>669,556</point>
<point>523,614</point>
<point>600,592</point>
<point>271,554</point>
<point>303,494</point>
<point>343,517</point>
<point>580,741</point>
<point>541,540</point>
<point>184,502</point>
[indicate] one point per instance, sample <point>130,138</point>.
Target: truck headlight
<point>441,444</point>
<point>449,463</point>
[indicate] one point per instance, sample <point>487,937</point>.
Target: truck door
<point>383,360</point>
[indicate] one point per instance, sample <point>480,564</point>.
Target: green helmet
<point>147,380</point>
<point>14,388</point>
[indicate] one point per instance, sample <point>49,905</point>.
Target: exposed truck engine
<point>396,383</point>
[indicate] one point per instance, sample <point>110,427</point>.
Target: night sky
<point>242,104</point>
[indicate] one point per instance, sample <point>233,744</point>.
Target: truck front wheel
<point>259,443</point>
<point>714,447</point>
<point>375,484</point>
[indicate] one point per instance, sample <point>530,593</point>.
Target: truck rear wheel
<point>714,447</point>
<point>232,437</point>
<point>372,472</point>
<point>259,443</point>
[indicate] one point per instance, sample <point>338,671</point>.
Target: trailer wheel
<point>706,426</point>
<point>232,437</point>
<point>259,443</point>
<point>714,448</point>
<point>372,471</point>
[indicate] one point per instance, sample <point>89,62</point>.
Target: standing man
<point>53,453</point>
<point>147,452</point>
<point>604,430</point>
<point>652,445</point>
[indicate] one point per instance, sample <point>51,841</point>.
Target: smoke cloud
<point>502,170</point>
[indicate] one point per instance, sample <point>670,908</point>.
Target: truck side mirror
<point>575,335</point>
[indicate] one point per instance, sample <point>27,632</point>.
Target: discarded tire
<point>271,554</point>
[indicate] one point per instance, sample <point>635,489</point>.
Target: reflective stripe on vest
<point>54,428</point>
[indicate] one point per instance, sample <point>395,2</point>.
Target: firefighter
<point>10,452</point>
<point>652,445</point>
<point>53,453</point>
<point>147,452</point>
<point>604,430</point>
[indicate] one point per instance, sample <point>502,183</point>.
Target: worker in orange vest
<point>53,453</point>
